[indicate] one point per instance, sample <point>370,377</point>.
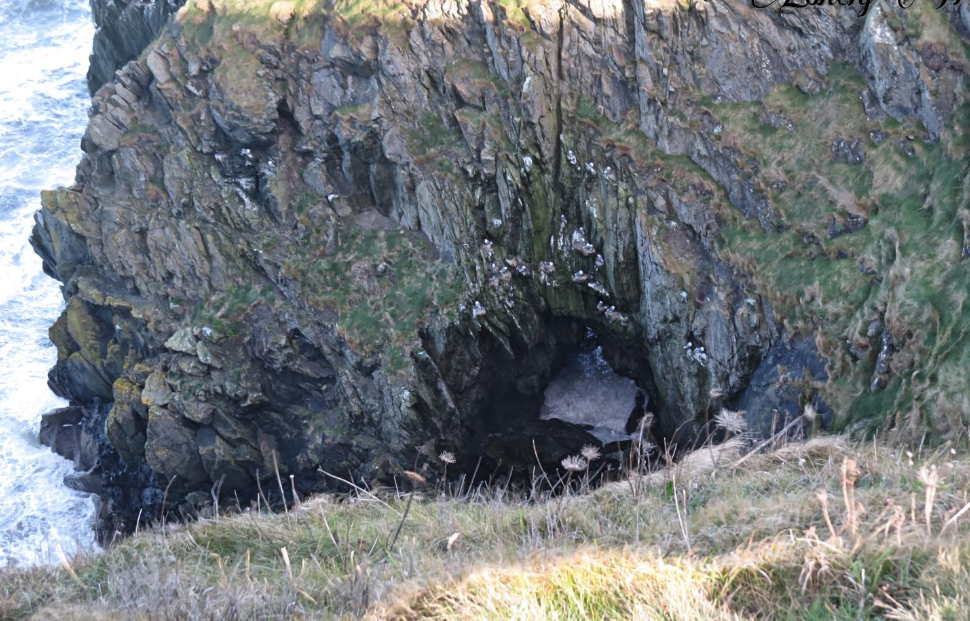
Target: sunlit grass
<point>721,535</point>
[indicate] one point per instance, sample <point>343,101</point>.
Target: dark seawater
<point>587,391</point>
<point>44,47</point>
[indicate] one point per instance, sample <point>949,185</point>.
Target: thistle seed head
<point>731,421</point>
<point>574,463</point>
<point>930,477</point>
<point>645,424</point>
<point>810,413</point>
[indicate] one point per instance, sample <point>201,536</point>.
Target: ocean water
<point>587,391</point>
<point>44,47</point>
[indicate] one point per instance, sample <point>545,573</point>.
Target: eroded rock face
<point>124,29</point>
<point>298,244</point>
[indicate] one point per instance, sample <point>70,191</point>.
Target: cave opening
<point>581,384</point>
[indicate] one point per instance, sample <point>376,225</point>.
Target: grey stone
<point>156,390</point>
<point>170,449</point>
<point>182,341</point>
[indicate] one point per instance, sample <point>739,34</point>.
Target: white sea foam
<point>44,45</point>
<point>587,391</point>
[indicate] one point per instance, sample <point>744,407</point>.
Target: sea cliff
<point>344,237</point>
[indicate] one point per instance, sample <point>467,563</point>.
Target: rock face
<point>304,240</point>
<point>124,29</point>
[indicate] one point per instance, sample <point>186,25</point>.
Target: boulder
<point>59,430</point>
<point>182,341</point>
<point>218,460</point>
<point>156,390</point>
<point>170,447</point>
<point>66,432</point>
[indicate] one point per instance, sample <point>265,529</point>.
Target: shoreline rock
<point>297,245</point>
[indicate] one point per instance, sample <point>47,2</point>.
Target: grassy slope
<point>915,210</point>
<point>752,541</point>
<point>915,207</point>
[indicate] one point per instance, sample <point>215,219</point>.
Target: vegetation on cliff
<point>352,235</point>
<point>870,246</point>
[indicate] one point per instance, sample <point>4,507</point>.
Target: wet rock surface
<point>296,245</point>
<point>58,430</point>
<point>776,393</point>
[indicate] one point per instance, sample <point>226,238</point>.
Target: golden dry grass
<point>820,530</point>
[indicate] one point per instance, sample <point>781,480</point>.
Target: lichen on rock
<point>288,216</point>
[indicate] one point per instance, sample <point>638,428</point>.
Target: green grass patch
<point>911,241</point>
<point>382,284</point>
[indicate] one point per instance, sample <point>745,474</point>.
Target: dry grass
<point>587,584</point>
<point>819,530</point>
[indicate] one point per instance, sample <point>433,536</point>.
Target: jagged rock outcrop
<point>124,29</point>
<point>331,239</point>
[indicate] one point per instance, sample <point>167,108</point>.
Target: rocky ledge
<point>349,238</point>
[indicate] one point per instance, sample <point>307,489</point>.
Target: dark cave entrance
<point>580,384</point>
